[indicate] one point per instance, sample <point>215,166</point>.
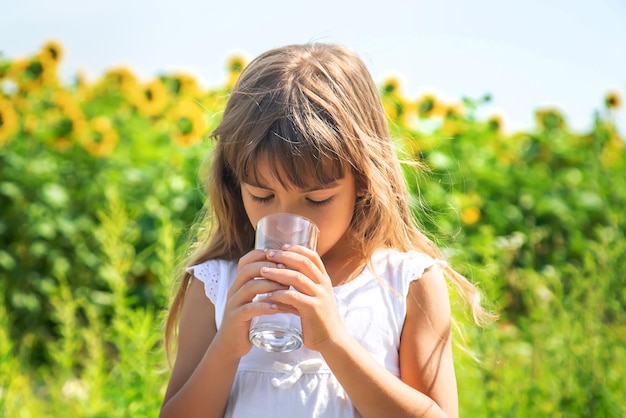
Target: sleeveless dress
<point>300,383</point>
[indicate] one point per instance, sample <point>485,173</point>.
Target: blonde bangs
<point>293,130</point>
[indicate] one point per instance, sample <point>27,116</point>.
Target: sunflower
<point>613,145</point>
<point>51,54</point>
<point>9,121</point>
<point>399,110</point>
<point>38,71</point>
<point>64,120</point>
<point>494,124</point>
<point>452,120</point>
<point>28,74</point>
<point>452,112</point>
<point>549,119</point>
<point>391,86</point>
<point>395,106</point>
<point>120,79</point>
<point>101,137</point>
<point>182,84</point>
<point>188,122</point>
<point>612,101</point>
<point>151,99</point>
<point>68,104</point>
<point>235,66</point>
<point>428,106</point>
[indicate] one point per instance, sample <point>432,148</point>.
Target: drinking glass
<point>281,332</point>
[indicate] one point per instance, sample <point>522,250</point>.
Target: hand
<point>240,307</point>
<point>313,298</point>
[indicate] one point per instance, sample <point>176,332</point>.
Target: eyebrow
<point>316,187</point>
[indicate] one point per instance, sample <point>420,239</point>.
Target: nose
<point>289,207</point>
<point>291,201</point>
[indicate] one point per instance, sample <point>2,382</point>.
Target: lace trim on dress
<point>209,274</point>
<point>416,271</point>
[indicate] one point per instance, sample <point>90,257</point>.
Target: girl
<point>304,132</point>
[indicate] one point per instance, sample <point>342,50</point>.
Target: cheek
<point>326,241</point>
<point>252,211</point>
<point>333,230</point>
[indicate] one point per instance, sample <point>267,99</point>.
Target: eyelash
<point>258,199</point>
<point>319,203</point>
<point>316,203</point>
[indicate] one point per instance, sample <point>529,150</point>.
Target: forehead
<point>292,171</point>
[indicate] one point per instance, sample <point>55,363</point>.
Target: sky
<point>526,54</point>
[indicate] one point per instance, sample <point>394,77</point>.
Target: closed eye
<point>261,199</point>
<point>320,202</point>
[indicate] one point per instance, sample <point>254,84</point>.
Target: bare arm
<point>428,385</point>
<point>426,361</point>
<point>207,359</point>
<point>204,372</point>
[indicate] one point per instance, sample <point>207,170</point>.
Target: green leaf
<point>54,194</point>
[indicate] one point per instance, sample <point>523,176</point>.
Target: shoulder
<point>401,268</point>
<point>426,359</point>
<point>209,269</point>
<point>214,274</point>
<point>412,262</point>
<point>430,293</point>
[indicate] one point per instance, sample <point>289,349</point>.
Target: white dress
<point>300,384</point>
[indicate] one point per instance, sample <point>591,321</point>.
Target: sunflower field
<point>99,192</point>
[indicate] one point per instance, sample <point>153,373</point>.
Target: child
<point>304,132</point>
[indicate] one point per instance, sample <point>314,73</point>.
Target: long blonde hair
<point>314,111</point>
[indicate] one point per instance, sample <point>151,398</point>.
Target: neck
<point>343,262</point>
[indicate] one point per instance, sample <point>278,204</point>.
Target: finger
<point>260,307</point>
<point>245,267</point>
<point>263,286</point>
<point>310,254</point>
<point>252,256</point>
<point>259,286</point>
<point>248,268</point>
<point>290,278</point>
<point>290,301</point>
<point>286,308</point>
<point>299,261</point>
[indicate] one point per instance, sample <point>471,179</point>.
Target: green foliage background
<point>98,188</point>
